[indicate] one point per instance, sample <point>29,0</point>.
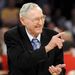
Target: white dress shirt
<point>31,37</point>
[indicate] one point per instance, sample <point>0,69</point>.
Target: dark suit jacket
<point>23,60</point>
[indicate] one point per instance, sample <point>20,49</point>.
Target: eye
<point>40,18</point>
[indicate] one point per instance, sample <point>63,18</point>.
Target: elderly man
<point>31,48</point>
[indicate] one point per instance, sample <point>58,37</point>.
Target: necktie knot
<point>36,44</point>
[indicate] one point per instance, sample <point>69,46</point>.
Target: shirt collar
<point>31,37</point>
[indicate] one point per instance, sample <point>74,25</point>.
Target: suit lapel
<point>44,38</point>
<point>24,38</point>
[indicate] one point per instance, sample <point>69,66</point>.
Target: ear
<point>23,20</point>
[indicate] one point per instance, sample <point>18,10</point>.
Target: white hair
<point>27,7</point>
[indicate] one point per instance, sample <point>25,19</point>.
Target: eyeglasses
<point>42,18</point>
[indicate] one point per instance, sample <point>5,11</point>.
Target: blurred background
<point>60,16</point>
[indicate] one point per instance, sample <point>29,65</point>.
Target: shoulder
<point>12,31</point>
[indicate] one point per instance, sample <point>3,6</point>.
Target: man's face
<point>34,22</point>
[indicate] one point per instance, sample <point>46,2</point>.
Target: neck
<point>32,34</point>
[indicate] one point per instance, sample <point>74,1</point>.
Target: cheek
<point>31,27</point>
<point>29,23</point>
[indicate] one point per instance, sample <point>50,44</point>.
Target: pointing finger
<point>60,34</point>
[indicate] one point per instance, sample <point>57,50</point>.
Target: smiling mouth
<point>38,27</point>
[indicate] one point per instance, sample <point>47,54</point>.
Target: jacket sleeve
<point>20,57</point>
<point>59,58</point>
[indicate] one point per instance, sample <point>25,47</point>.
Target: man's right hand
<point>57,40</point>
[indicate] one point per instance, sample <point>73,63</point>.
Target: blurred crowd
<point>55,20</point>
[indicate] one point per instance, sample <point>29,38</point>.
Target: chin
<point>39,32</point>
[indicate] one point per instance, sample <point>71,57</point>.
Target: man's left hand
<point>56,70</point>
